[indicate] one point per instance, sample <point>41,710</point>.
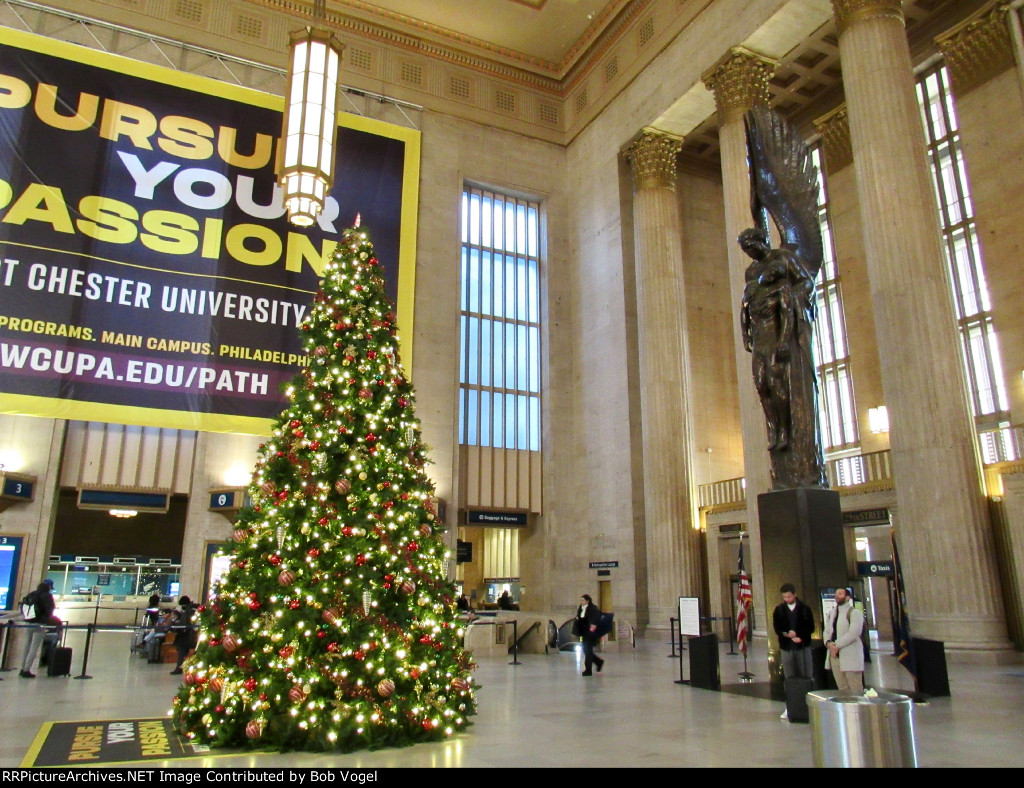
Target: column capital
<point>652,159</point>
<point>834,128</point>
<point>739,81</point>
<point>978,48</point>
<point>849,12</point>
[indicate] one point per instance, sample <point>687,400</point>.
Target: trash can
<point>858,730</point>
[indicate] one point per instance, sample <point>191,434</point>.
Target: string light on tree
<point>335,626</point>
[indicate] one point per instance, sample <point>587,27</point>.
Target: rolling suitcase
<point>59,663</point>
<point>796,699</point>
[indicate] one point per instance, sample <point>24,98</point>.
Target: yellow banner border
<point>212,422</point>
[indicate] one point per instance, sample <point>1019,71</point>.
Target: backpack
<point>28,606</point>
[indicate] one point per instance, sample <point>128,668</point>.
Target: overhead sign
<point>876,568</point>
<point>148,274</point>
<point>866,517</point>
<point>483,517</point>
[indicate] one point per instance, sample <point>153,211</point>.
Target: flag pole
<point>743,599</point>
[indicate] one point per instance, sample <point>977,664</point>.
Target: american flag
<point>743,600</point>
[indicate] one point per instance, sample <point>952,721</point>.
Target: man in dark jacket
<point>588,616</point>
<point>794,624</point>
<point>45,625</point>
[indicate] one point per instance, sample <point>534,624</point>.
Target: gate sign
<point>875,568</point>
<point>148,273</point>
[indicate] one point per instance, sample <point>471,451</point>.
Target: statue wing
<point>784,184</point>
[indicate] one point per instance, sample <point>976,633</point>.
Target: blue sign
<point>18,488</point>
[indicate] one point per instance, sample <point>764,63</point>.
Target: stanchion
<point>515,643</point>
<point>672,637</point>
<point>88,643</point>
<point>7,647</point>
<point>681,679</point>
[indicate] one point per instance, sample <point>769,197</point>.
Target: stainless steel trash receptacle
<point>856,730</point>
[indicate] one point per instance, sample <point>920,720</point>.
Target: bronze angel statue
<point>777,312</point>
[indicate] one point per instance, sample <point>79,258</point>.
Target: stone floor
<point>542,713</point>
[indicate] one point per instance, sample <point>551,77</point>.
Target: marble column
<point>979,48</point>
<point>739,81</point>
<point>672,541</point>
<point>946,541</point>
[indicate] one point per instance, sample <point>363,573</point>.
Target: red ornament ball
<point>240,535</point>
<point>250,684</point>
<point>371,354</point>
<point>460,684</point>
<point>425,529</point>
<point>297,694</point>
<point>360,560</point>
<point>254,730</point>
<point>314,552</point>
<point>295,604</point>
<point>320,350</point>
<point>427,725</point>
<point>294,423</point>
<point>230,643</point>
<point>385,688</point>
<point>365,394</point>
<point>343,485</point>
<point>274,559</point>
<point>413,547</point>
<point>408,586</point>
<point>286,578</point>
<point>268,487</point>
<point>331,614</point>
<point>216,684</point>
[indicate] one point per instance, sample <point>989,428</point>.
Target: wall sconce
<point>878,420</point>
<point>309,131</point>
<point>237,476</point>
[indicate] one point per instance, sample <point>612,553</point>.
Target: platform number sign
<point>223,500</point>
<point>21,489</point>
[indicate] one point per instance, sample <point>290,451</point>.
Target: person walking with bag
<point>184,632</point>
<point>46,626</point>
<point>588,616</point>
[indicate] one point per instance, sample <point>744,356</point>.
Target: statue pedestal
<point>802,543</point>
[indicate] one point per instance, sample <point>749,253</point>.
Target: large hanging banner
<point>148,274</point>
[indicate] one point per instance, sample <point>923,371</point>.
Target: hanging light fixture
<point>309,132</point>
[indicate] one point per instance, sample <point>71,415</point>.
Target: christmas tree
<point>335,626</point>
